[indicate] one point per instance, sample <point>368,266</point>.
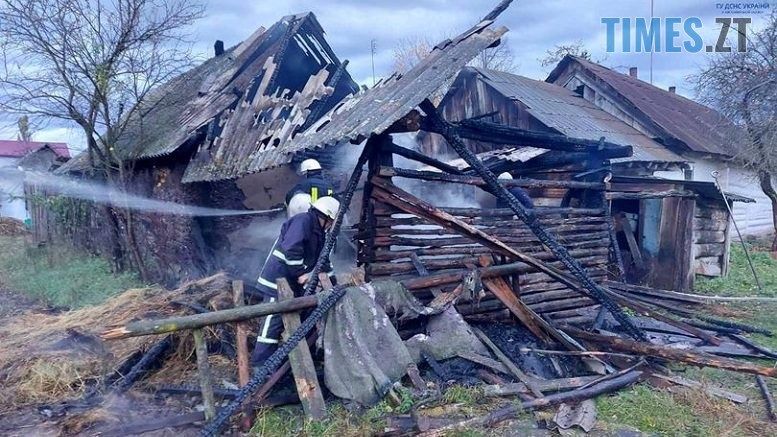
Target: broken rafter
<point>618,195</point>
<point>474,180</point>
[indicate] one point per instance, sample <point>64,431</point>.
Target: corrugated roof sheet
<point>378,108</point>
<point>700,128</point>
<point>564,111</point>
<point>511,154</point>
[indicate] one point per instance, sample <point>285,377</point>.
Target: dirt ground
<point>105,417</point>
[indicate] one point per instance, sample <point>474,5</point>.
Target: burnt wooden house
<point>204,139</point>
<point>667,230</point>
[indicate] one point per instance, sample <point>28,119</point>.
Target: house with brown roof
<point>700,135</point>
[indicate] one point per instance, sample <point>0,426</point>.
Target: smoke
<point>80,189</point>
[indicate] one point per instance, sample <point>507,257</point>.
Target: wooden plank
<point>485,361</point>
<point>203,374</point>
<point>302,367</point>
<point>524,378</point>
<point>241,345</point>
<point>628,232</point>
<point>702,250</point>
<point>712,390</point>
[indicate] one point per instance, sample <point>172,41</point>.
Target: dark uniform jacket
<point>294,253</point>
<point>316,186</point>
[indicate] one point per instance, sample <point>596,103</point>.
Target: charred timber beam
<point>195,321</point>
<point>620,195</point>
<point>420,157</point>
<point>579,277</point>
<point>496,133</point>
<point>474,180</point>
<point>682,355</point>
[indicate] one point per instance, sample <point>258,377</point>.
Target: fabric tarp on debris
<point>363,353</point>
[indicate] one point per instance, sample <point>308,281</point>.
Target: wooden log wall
<point>396,236</point>
<point>711,242</point>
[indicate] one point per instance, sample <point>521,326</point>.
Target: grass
<point>61,277</point>
<point>692,412</point>
<point>740,279</point>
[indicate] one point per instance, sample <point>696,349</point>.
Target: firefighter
<point>307,191</point>
<point>518,192</point>
<point>293,257</point>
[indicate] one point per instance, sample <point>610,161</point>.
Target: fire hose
<point>532,223</point>
<point>273,362</point>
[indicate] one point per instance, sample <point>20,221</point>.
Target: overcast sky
<point>534,27</point>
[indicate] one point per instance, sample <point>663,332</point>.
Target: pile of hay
<point>11,227</point>
<point>52,357</point>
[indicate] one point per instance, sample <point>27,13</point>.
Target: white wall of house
<point>11,193</point>
<point>752,218</point>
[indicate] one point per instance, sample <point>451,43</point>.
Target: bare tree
<point>557,53</point>
<point>410,51</point>
<point>25,132</point>
<point>743,87</point>
<point>94,63</point>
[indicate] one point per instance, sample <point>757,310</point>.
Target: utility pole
<point>373,48</point>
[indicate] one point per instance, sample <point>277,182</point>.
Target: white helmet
<point>309,165</point>
<point>327,205</point>
<point>505,176</point>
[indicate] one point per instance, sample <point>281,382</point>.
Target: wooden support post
<point>302,367</point>
<point>203,370</point>
<point>243,360</point>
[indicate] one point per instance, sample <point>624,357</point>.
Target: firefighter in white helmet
<point>308,190</point>
<point>518,192</point>
<point>293,257</point>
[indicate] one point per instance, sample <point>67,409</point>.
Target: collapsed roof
<point>678,121</point>
<point>235,105</point>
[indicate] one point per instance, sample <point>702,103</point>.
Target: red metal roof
<point>17,149</point>
<point>699,128</point>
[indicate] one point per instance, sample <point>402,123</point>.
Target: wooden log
<point>767,397</point>
<point>709,237</point>
<point>702,250</point>
<point>203,374</point>
<point>308,387</point>
<point>521,242</point>
<point>387,268</point>
<point>524,378</point>
<point>194,321</point>
<point>708,266</point>
<point>550,385</point>
<point>682,355</point>
<point>662,294</point>
<point>547,221</point>
<point>757,347</point>
<point>476,181</point>
<point>497,231</point>
<point>625,227</point>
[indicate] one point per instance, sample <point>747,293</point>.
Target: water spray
<point>79,189</point>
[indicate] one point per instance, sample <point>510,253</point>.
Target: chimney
<point>633,72</point>
<point>673,89</point>
<point>218,47</point>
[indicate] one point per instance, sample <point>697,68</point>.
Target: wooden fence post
<point>203,369</point>
<point>302,367</point>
